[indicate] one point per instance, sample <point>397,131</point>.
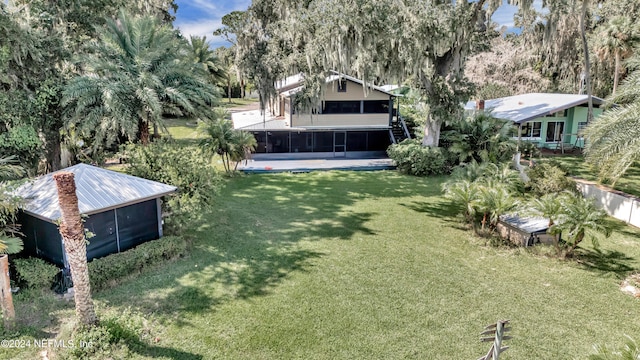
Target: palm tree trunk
<point>579,238</point>
<point>616,72</point>
<point>587,63</point>
<point>143,132</point>
<point>72,231</point>
<point>229,89</point>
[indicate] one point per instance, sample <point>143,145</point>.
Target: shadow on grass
<point>434,209</point>
<point>131,339</point>
<point>200,283</point>
<point>604,262</point>
<point>251,240</point>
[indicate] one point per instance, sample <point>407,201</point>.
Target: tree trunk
<point>587,63</point>
<point>72,231</point>
<point>616,72</point>
<point>52,150</point>
<point>229,89</point>
<point>143,132</point>
<point>242,91</point>
<point>6,298</point>
<point>431,132</point>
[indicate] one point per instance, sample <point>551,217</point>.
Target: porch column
<point>391,110</point>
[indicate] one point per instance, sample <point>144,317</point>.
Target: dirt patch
<point>631,285</point>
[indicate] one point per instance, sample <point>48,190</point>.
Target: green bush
<point>414,159</point>
<point>549,179</point>
<point>35,273</point>
<point>185,167</point>
<point>117,336</point>
<point>104,272</point>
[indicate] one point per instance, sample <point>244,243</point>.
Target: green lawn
<point>368,265</point>
<point>235,102</point>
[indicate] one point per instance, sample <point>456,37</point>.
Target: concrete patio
<point>274,163</point>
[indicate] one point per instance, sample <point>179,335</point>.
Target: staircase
<point>398,131</point>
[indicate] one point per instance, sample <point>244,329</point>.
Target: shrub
<point>185,167</point>
<point>104,272</point>
<point>117,336</point>
<point>414,159</point>
<point>549,179</point>
<point>35,273</point>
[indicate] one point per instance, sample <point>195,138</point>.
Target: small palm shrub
<point>489,195</point>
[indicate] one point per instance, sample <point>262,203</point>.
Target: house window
<point>531,129</point>
<point>342,85</point>
<point>341,107</point>
<point>555,131</point>
<point>376,106</point>
<point>561,113</point>
<point>581,126</point>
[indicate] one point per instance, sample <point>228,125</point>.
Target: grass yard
<point>367,265</point>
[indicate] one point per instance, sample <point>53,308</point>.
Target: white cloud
<point>202,17</point>
<point>207,6</point>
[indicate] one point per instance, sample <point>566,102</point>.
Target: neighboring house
<point>350,117</point>
<point>122,211</point>
<point>550,120</point>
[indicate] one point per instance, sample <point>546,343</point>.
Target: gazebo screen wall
<point>114,231</point>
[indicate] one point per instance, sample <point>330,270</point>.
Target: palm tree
<point>617,38</point>
<point>137,73</point>
<point>72,231</point>
<point>244,144</point>
<point>580,219</point>
<point>220,137</point>
<point>495,201</point>
<point>630,351</point>
<point>204,57</point>
<point>465,194</point>
<point>482,138</point>
<point>548,206</point>
<point>613,140</point>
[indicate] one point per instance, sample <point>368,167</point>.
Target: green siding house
<point>551,121</point>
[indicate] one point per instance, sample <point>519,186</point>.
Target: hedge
<point>414,159</point>
<point>104,272</point>
<point>35,273</point>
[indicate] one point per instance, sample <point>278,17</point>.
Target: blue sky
<point>202,17</point>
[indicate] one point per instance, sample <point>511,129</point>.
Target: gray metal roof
<point>295,83</point>
<point>527,107</point>
<point>530,225</point>
<point>97,189</point>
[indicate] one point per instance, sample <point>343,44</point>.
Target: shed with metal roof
<point>122,211</point>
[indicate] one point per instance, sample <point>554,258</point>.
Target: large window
<point>531,129</point>
<point>376,106</point>
<point>555,131</point>
<point>341,107</point>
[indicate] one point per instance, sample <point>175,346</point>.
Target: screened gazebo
<point>122,211</point>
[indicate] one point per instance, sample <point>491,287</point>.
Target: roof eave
<point>100,210</point>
